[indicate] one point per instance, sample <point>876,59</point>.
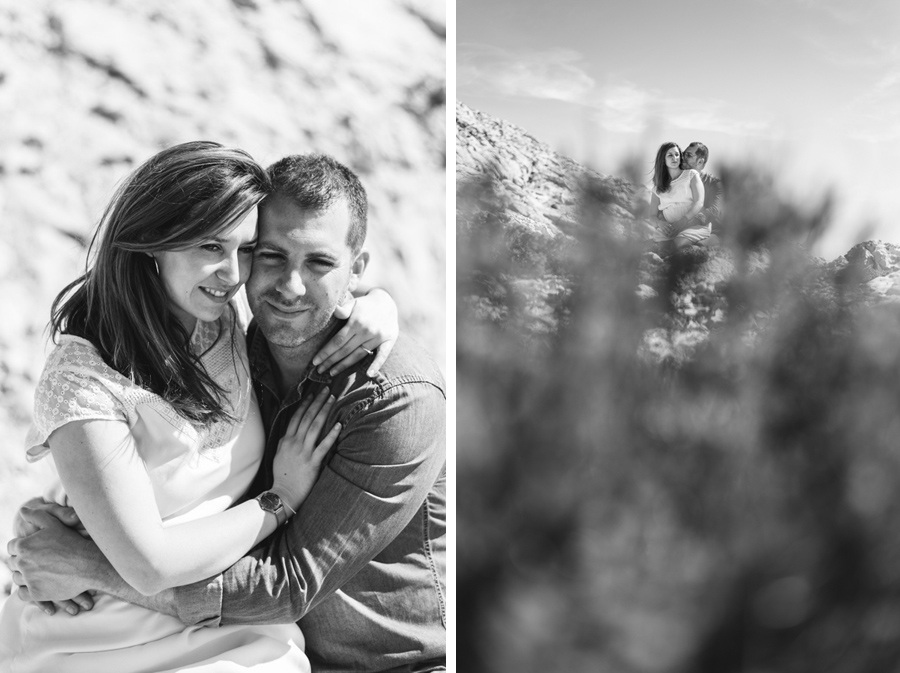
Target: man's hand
<point>693,222</point>
<point>54,563</point>
<point>667,229</point>
<point>23,527</point>
<point>67,515</point>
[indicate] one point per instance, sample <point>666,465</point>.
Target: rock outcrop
<point>539,191</point>
<point>91,88</point>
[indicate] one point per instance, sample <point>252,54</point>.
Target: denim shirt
<point>713,201</point>
<point>362,565</point>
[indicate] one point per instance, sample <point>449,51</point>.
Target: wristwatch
<point>271,502</point>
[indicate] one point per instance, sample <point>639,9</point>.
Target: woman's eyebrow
<point>219,239</point>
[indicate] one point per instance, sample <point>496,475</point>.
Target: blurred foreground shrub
<point>729,506</point>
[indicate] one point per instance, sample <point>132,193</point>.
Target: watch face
<point>270,502</point>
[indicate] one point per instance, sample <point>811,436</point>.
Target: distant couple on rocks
<point>686,199</point>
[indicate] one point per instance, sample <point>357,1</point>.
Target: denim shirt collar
<point>262,367</point>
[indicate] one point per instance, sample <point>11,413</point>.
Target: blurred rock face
<point>89,89</point>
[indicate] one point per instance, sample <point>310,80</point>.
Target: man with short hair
<point>362,564</point>
<point>695,156</point>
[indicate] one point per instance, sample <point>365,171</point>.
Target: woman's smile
<point>219,294</point>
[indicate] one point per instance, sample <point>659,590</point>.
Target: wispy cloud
<point>858,49</point>
<point>860,36</point>
<point>850,33</point>
<point>845,11</point>
<point>624,107</point>
<point>555,74</point>
<point>850,12</point>
<point>715,115</point>
<point>619,107</point>
<point>875,116</point>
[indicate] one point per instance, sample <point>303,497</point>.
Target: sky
<point>807,88</point>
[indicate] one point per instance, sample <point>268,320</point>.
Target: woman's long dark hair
<point>661,178</point>
<point>179,197</point>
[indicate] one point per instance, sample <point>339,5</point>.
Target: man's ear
<point>357,269</point>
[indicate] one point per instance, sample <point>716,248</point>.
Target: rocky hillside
<point>91,88</point>
<point>528,213</point>
<point>503,170</point>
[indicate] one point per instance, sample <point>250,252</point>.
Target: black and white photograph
<point>223,356</point>
<point>264,408</point>
<point>678,336</point>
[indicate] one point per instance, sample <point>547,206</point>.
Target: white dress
<point>194,473</point>
<point>679,199</point>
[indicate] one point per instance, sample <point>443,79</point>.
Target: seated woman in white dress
<point>677,195</point>
<point>147,408</point>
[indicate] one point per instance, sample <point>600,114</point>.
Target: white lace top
<point>194,469</point>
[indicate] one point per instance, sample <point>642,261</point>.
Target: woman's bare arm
<point>108,485</point>
<point>373,326</point>
<point>697,195</point>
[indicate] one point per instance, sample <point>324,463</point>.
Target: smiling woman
<point>181,199</point>
<point>202,279</point>
<point>147,409</point>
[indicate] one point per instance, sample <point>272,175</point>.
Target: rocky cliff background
<point>684,464</point>
<point>89,89</point>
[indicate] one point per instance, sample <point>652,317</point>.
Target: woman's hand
<point>372,327</point>
<point>298,458</point>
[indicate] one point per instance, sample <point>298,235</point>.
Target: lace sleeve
<point>76,385</point>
